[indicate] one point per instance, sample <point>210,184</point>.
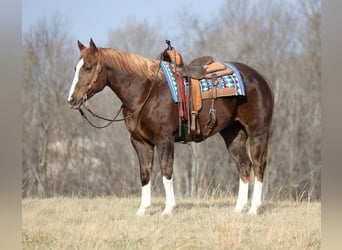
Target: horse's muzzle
<point>75,103</point>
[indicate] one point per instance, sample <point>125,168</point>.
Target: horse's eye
<point>88,69</point>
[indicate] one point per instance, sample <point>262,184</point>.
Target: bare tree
<point>63,155</point>
<point>47,61</point>
<point>137,37</point>
<point>283,42</point>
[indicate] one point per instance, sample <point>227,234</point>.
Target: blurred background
<point>63,156</point>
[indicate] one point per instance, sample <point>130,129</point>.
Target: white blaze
<point>75,81</point>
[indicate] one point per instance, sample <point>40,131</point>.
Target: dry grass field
<point>109,223</point>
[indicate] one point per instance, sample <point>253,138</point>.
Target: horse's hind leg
<point>258,148</point>
<point>145,155</point>
<point>235,138</point>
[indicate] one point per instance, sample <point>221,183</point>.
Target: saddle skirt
<point>229,79</point>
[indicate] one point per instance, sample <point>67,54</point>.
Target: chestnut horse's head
<point>89,77</point>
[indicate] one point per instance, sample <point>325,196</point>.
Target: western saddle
<point>189,91</point>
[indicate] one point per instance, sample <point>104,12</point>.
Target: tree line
<point>63,155</point>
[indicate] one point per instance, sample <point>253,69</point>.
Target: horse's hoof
<point>239,209</point>
<point>253,211</point>
<point>140,212</point>
<point>167,211</point>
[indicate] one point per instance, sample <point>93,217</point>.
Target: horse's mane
<point>130,62</point>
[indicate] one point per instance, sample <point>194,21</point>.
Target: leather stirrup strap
<point>197,106</point>
<point>196,95</point>
<point>212,112</point>
<point>181,94</point>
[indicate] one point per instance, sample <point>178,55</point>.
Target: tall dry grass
<point>109,223</point>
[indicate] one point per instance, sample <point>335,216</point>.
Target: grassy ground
<point>109,223</point>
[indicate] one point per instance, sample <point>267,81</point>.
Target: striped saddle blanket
<point>230,84</point>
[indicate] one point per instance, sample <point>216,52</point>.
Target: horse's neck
<point>129,77</point>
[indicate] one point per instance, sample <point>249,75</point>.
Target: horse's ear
<point>80,45</point>
<point>92,45</point>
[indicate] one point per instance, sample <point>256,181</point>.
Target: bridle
<point>115,118</point>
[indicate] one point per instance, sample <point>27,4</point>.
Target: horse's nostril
<point>74,102</point>
<point>71,100</point>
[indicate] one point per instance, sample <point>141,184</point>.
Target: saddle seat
<point>204,66</point>
<point>197,68</point>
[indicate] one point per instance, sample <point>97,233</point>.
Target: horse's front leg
<point>166,152</point>
<point>145,155</point>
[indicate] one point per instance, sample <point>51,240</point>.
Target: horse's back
<point>254,79</point>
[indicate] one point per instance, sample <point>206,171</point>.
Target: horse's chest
<point>130,124</point>
<point>138,130</point>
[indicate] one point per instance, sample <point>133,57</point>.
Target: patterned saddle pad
<point>228,85</point>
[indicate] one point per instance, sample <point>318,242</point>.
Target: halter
<point>114,119</point>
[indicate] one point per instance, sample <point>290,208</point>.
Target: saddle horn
<point>168,42</point>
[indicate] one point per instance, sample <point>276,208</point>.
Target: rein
<point>100,117</point>
<point>114,119</point>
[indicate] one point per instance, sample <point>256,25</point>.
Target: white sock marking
<point>75,81</point>
<point>170,202</point>
<point>242,196</point>
<point>256,200</point>
<point>145,199</point>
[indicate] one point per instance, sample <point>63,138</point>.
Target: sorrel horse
<point>152,118</point>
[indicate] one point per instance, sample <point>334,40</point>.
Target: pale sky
<point>94,18</point>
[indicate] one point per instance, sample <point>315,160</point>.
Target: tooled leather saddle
<point>194,82</point>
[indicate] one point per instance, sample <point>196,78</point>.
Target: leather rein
<point>115,118</point>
